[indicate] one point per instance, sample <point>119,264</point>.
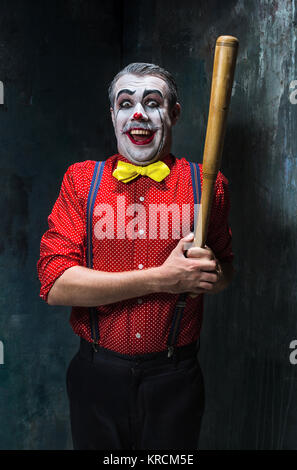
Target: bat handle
<point>191,295</point>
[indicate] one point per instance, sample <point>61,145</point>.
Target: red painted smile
<point>140,136</point>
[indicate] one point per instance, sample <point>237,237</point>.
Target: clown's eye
<point>152,103</point>
<point>125,104</point>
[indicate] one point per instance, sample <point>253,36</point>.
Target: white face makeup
<point>142,119</point>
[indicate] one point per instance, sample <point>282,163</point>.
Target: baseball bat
<point>221,88</point>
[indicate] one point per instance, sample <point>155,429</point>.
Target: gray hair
<point>140,69</point>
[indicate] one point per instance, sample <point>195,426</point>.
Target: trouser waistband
<point>179,353</point>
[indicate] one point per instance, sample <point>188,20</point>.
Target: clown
<point>136,382</point>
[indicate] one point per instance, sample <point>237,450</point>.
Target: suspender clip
<point>170,351</point>
<point>94,346</point>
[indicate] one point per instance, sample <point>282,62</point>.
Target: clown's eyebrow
<point>148,92</point>
<point>125,90</point>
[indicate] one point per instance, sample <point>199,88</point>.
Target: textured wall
<point>57,58</point>
<point>250,383</point>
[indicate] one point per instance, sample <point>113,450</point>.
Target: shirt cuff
<point>54,270</point>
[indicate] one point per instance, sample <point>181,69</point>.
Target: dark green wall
<point>57,58</point>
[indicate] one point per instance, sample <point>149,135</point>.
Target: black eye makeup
<point>151,99</point>
<point>152,103</point>
<point>125,104</point>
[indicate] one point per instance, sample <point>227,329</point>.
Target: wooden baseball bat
<point>221,87</point>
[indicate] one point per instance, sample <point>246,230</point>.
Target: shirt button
<point>141,232</point>
<point>139,301</point>
<point>141,198</point>
<point>138,335</point>
<point>140,266</point>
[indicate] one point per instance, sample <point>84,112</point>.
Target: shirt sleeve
<point>219,236</point>
<point>62,245</point>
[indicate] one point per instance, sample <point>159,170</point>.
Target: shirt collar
<point>169,159</point>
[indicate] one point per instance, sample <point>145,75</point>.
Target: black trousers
<point>141,402</point>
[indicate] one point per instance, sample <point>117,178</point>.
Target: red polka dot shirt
<point>139,325</point>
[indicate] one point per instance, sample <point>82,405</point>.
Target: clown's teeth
<point>140,132</point>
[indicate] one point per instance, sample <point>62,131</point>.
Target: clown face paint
<point>142,119</point>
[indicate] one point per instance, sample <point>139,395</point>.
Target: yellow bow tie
<point>126,172</point>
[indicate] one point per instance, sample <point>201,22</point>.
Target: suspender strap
<point>97,175</point>
<point>173,333</point>
<point>182,299</point>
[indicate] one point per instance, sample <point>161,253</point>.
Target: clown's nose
<point>137,116</point>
